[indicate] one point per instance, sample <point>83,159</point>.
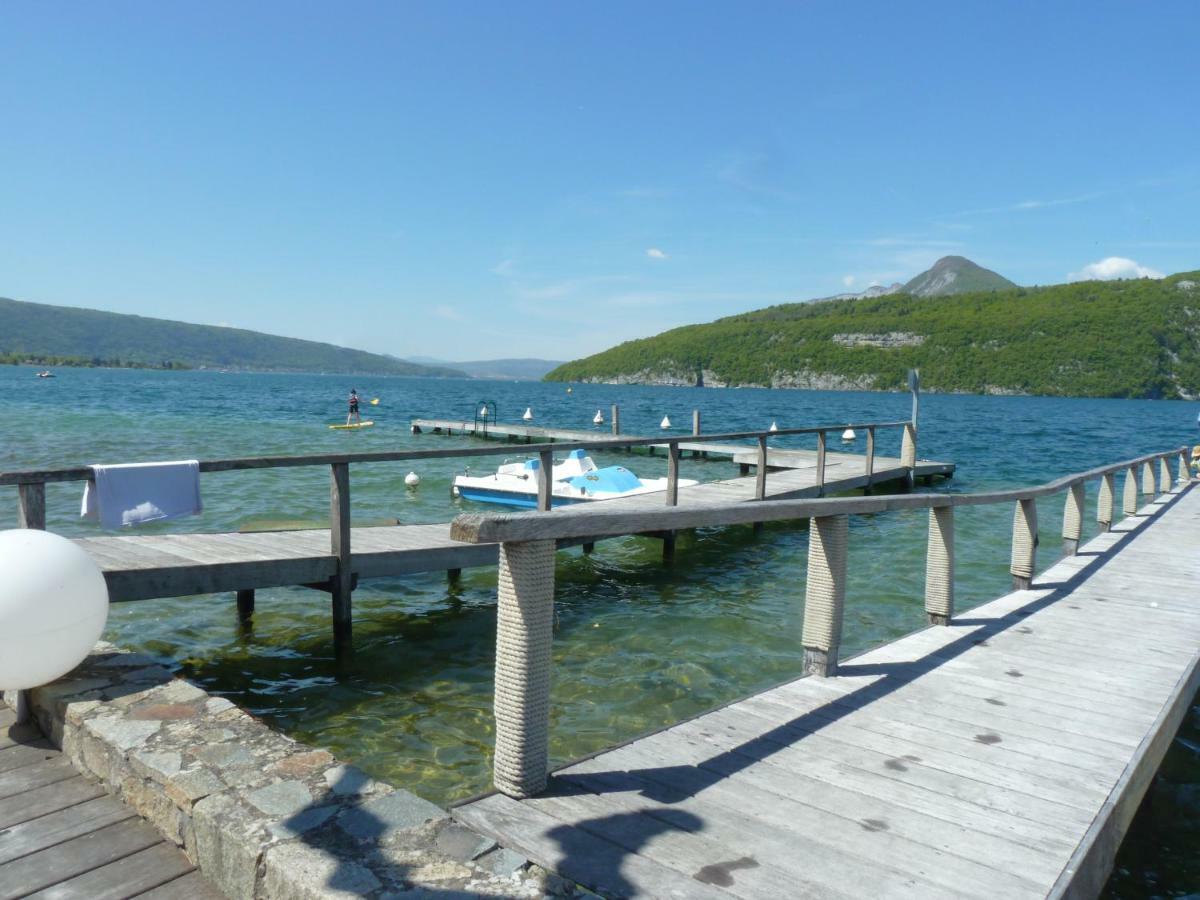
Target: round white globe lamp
<point>53,606</point>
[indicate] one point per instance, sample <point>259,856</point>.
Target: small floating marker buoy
<point>570,390</point>
<point>773,427</point>
<point>665,423</point>
<point>848,434</point>
<point>412,479</point>
<point>528,414</point>
<point>598,418</point>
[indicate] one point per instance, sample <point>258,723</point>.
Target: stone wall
<point>261,815</point>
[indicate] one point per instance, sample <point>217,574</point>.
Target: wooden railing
<point>31,484</point>
<point>525,608</point>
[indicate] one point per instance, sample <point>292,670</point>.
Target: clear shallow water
<point>637,645</point>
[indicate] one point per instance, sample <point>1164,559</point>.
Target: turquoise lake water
<point>638,645</point>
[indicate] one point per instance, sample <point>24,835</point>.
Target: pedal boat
<point>576,479</point>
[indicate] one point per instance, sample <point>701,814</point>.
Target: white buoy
<point>528,414</point>
<point>570,390</point>
<point>412,479</point>
<point>665,423</point>
<point>598,418</point>
<point>773,427</point>
<point>848,434</point>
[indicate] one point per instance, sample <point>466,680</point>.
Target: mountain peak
<point>955,275</point>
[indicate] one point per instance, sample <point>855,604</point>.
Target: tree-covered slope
<point>41,331</point>
<point>1101,339</point>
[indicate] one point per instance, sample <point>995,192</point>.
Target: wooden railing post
<point>760,477</point>
<point>1184,475</point>
<point>31,513</point>
<point>1164,476</point>
<point>820,463</point>
<point>1130,504</point>
<point>524,632</point>
<point>616,419</point>
<point>1149,489</point>
<point>939,566</point>
<point>545,480</point>
<point>341,585</point>
<point>1104,501</point>
<point>825,594</point>
<point>1024,544</point>
<point>870,464</point>
<point>673,473</point>
<point>31,505</point>
<point>1072,529</point>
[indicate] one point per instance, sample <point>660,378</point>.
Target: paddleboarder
<point>353,414</point>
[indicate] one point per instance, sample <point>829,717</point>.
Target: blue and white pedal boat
<point>576,479</point>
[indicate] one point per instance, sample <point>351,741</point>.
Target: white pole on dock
<point>616,419</point>
<point>695,421</point>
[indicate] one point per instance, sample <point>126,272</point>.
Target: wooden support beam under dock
<point>1002,755</point>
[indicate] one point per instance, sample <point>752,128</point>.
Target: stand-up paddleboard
<point>354,425</point>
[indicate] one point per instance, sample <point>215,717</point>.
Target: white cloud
<point>655,253</point>
<point>449,312</point>
<point>504,268</point>
<point>1112,267</point>
<point>848,280</point>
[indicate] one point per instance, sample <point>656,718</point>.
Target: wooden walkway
<point>1001,756</point>
<point>62,836</point>
<point>139,567</point>
<point>739,453</point>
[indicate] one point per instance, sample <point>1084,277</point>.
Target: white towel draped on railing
<point>133,493</point>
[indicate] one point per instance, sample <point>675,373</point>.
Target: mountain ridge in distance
<point>96,337</point>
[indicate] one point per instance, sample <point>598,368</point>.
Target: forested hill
<point>37,331</point>
<point>1094,338</point>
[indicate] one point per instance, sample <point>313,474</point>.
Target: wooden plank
<point>58,827</point>
<point>81,854</point>
<point>27,754</point>
<point>49,798</point>
<point>134,874</point>
<point>27,778</point>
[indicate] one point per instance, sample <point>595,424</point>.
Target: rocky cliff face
<point>955,275</point>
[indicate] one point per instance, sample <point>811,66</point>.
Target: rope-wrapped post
<point>1149,489</point>
<point>1164,475</point>
<point>1024,544</point>
<point>1104,502</point>
<point>1130,498</point>
<point>524,631</point>
<point>1072,529</point>
<point>825,594</point>
<point>939,566</point>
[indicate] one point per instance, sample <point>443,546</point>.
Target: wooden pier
<point>138,567</point>
<point>63,836</point>
<point>1003,754</point>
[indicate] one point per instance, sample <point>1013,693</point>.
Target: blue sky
<point>480,180</point>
